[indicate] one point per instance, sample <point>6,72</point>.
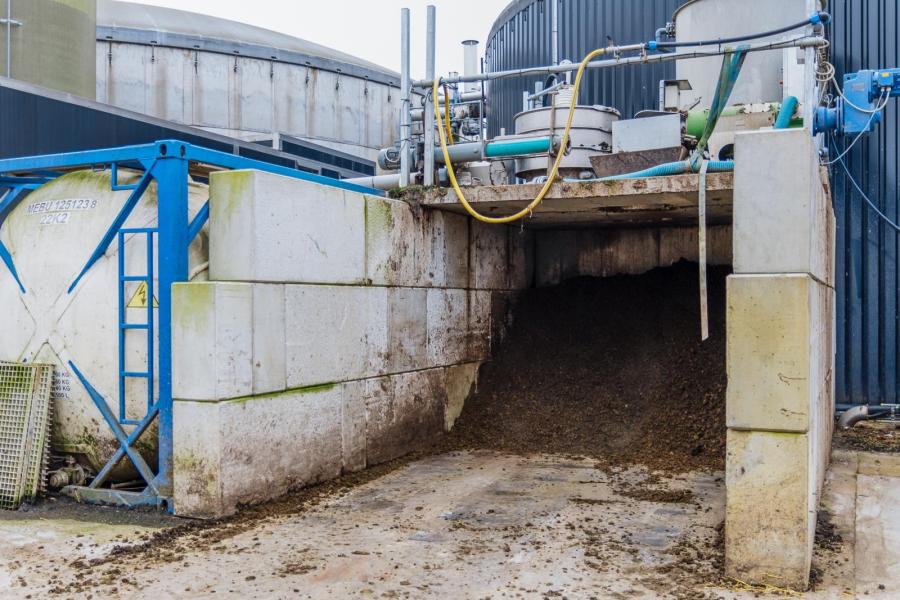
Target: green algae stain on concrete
<point>379,215</point>
<point>231,189</point>
<point>191,305</point>
<point>199,478</point>
<point>313,389</point>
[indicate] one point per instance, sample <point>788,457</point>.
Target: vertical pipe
<point>405,90</point>
<point>429,102</point>
<point>481,112</point>
<point>9,38</point>
<point>470,63</point>
<point>554,32</point>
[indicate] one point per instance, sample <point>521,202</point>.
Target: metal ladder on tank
<point>125,326</point>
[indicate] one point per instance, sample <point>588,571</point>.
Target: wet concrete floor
<point>461,525</point>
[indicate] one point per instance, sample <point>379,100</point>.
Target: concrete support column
<point>780,356</point>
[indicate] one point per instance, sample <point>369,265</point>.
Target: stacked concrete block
<point>318,236</point>
<point>336,331</point>
<point>242,451</point>
<point>780,400</point>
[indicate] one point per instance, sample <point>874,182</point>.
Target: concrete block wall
<point>603,252</point>
<point>337,331</point>
<point>780,357</point>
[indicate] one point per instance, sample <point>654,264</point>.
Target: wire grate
<point>24,431</point>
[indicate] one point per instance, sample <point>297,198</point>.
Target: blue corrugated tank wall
<point>863,36</point>
<point>521,38</point>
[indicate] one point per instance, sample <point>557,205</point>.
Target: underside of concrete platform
<point>630,202</point>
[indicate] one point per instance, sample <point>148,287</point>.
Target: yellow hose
<point>553,172</point>
<point>447,114</point>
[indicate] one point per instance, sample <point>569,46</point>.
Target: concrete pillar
<point>780,356</point>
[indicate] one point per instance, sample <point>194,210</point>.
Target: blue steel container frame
<point>167,162</point>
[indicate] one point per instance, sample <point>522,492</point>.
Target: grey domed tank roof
<point>144,24</point>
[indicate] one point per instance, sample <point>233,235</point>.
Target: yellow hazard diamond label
<point>139,300</point>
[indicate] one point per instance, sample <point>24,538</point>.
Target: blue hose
<point>788,108</point>
<point>674,168</point>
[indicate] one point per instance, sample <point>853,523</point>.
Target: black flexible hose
<point>819,17</point>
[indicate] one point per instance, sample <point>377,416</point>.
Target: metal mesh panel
<point>24,431</point>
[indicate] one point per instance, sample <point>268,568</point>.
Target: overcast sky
<point>368,29</point>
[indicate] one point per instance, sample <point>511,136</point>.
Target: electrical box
<point>649,133</point>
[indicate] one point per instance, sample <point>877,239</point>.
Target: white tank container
<point>50,236</point>
<point>591,135</point>
<point>762,74</point>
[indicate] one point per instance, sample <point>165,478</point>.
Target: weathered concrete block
<point>269,228</point>
<point>443,258</point>
<point>277,442</point>
<point>778,352</point>
<point>555,257</point>
<point>269,369</point>
<point>335,333</point>
<point>382,419</point>
<point>609,252</point>
<point>458,383</point>
<point>781,222</point>
<point>447,314</point>
<point>212,340</point>
<point>771,508</point>
<point>253,449</point>
<point>403,413</point>
<point>479,325</point>
<point>682,243</point>
<point>353,425</point>
<point>407,329</point>
<point>488,256</point>
<point>392,237</point>
<point>502,304</point>
<point>521,258</point>
<point>197,459</point>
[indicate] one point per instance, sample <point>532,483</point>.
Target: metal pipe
<point>431,40</point>
<point>9,38</point>
<point>470,64</point>
<point>554,32</point>
<point>805,42</point>
<point>546,91</point>
<point>379,182</point>
<point>472,151</point>
<point>418,114</point>
<point>481,133</point>
<point>405,99</point>
<point>853,416</point>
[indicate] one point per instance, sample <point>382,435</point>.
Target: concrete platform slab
<point>655,200</point>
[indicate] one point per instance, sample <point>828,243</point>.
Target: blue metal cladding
<point>521,37</point>
<point>864,36</point>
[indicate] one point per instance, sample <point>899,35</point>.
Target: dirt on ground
<point>612,369</point>
<point>172,544</point>
<point>877,436</point>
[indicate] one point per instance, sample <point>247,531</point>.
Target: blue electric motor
<point>864,91</point>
